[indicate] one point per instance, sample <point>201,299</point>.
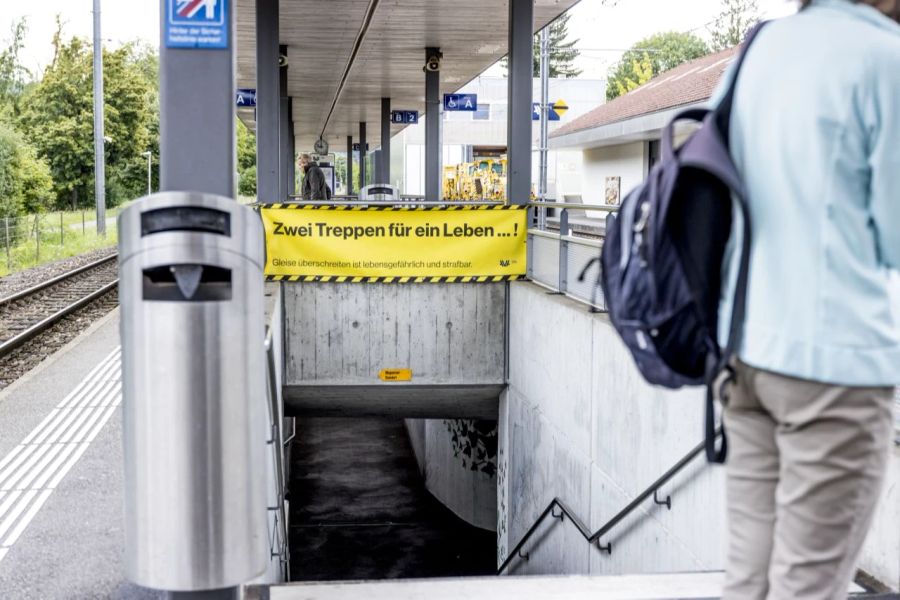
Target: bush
<point>247,182</point>
<point>25,181</point>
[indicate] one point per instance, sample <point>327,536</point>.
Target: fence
<point>24,239</point>
<point>560,248</point>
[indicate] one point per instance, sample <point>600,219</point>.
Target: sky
<point>602,31</point>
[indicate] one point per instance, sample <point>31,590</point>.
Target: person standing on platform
<point>815,134</point>
<point>314,186</point>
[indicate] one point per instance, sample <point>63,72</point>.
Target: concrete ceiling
<point>320,36</point>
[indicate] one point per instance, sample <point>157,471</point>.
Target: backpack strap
<point>723,122</point>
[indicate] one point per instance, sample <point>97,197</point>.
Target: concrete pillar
<point>518,127</point>
<point>362,155</point>
<point>284,131</point>
<point>268,103</point>
<point>384,174</point>
<point>196,101</point>
<point>292,140</point>
<point>432,132</point>
<point>349,165</point>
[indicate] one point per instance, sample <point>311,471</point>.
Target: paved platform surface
<point>623,587</point>
<point>360,510</point>
<point>61,481</point>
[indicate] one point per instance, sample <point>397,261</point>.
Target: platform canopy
<point>333,89</point>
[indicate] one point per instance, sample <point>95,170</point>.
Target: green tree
<point>731,26</point>
<point>25,182</point>
<point>562,51</point>
<point>58,118</point>
<point>13,75</point>
<point>663,51</point>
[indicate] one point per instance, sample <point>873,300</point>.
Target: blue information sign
<point>467,102</point>
<point>246,98</point>
<point>405,117</point>
<point>552,115</point>
<point>196,24</point>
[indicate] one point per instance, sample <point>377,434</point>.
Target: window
<point>482,113</point>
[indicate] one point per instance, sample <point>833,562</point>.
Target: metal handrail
<point>572,205</point>
<point>277,443</point>
<point>594,537</point>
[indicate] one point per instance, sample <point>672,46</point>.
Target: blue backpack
<point>662,259</point>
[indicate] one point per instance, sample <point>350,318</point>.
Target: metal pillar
<point>99,150</point>
<point>197,137</point>
<point>284,130</point>
<point>545,110</point>
<point>432,131</point>
<point>268,103</point>
<point>292,148</point>
<point>518,128</point>
<point>362,155</point>
<point>384,175</point>
<point>349,165</point>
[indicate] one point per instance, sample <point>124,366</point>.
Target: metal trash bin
<point>194,391</point>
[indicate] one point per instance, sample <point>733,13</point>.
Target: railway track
<point>27,314</point>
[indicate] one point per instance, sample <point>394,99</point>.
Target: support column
<point>286,158</point>
<point>432,131</point>
<point>196,103</point>
<point>349,165</point>
<point>518,128</point>
<point>362,155</point>
<point>384,176</point>
<point>268,103</point>
<point>292,167</point>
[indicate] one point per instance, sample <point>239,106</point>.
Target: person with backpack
<point>314,186</point>
<point>815,137</point>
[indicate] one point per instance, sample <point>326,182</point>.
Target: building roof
<point>686,84</point>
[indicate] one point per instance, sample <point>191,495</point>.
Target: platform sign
<point>554,114</point>
<point>350,244</point>
<point>246,98</point>
<point>356,147</point>
<point>461,102</point>
<point>197,24</point>
<point>404,117</point>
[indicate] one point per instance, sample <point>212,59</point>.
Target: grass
<point>24,251</point>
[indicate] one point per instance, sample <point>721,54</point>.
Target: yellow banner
<point>340,243</point>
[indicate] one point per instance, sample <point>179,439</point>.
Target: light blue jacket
<point>816,136</point>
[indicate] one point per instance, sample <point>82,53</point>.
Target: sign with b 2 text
<point>404,117</point>
<point>467,102</point>
<point>198,24</point>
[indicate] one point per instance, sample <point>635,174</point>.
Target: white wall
<point>470,493</point>
<point>578,422</point>
<point>628,161</point>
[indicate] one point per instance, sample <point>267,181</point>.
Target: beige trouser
<point>806,462</point>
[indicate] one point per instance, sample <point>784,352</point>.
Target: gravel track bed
<point>21,314</point>
<point>27,357</point>
<point>29,277</point>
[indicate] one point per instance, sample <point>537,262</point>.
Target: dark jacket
<point>314,186</point>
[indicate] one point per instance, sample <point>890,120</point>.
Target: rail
<point>278,541</point>
<point>557,259</point>
<point>592,538</point>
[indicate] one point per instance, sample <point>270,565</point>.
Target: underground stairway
<point>359,508</point>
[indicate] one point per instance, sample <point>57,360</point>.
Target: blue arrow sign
<point>461,102</point>
<point>536,112</point>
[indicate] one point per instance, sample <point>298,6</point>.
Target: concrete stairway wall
<point>340,336</point>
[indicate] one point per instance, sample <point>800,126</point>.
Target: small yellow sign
<point>395,375</point>
<point>560,107</point>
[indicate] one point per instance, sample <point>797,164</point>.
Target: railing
<point>595,537</point>
<point>278,537</point>
<point>557,258</point>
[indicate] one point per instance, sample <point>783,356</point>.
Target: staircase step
<point>685,586</point>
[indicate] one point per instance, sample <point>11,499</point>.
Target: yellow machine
<point>484,179</point>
